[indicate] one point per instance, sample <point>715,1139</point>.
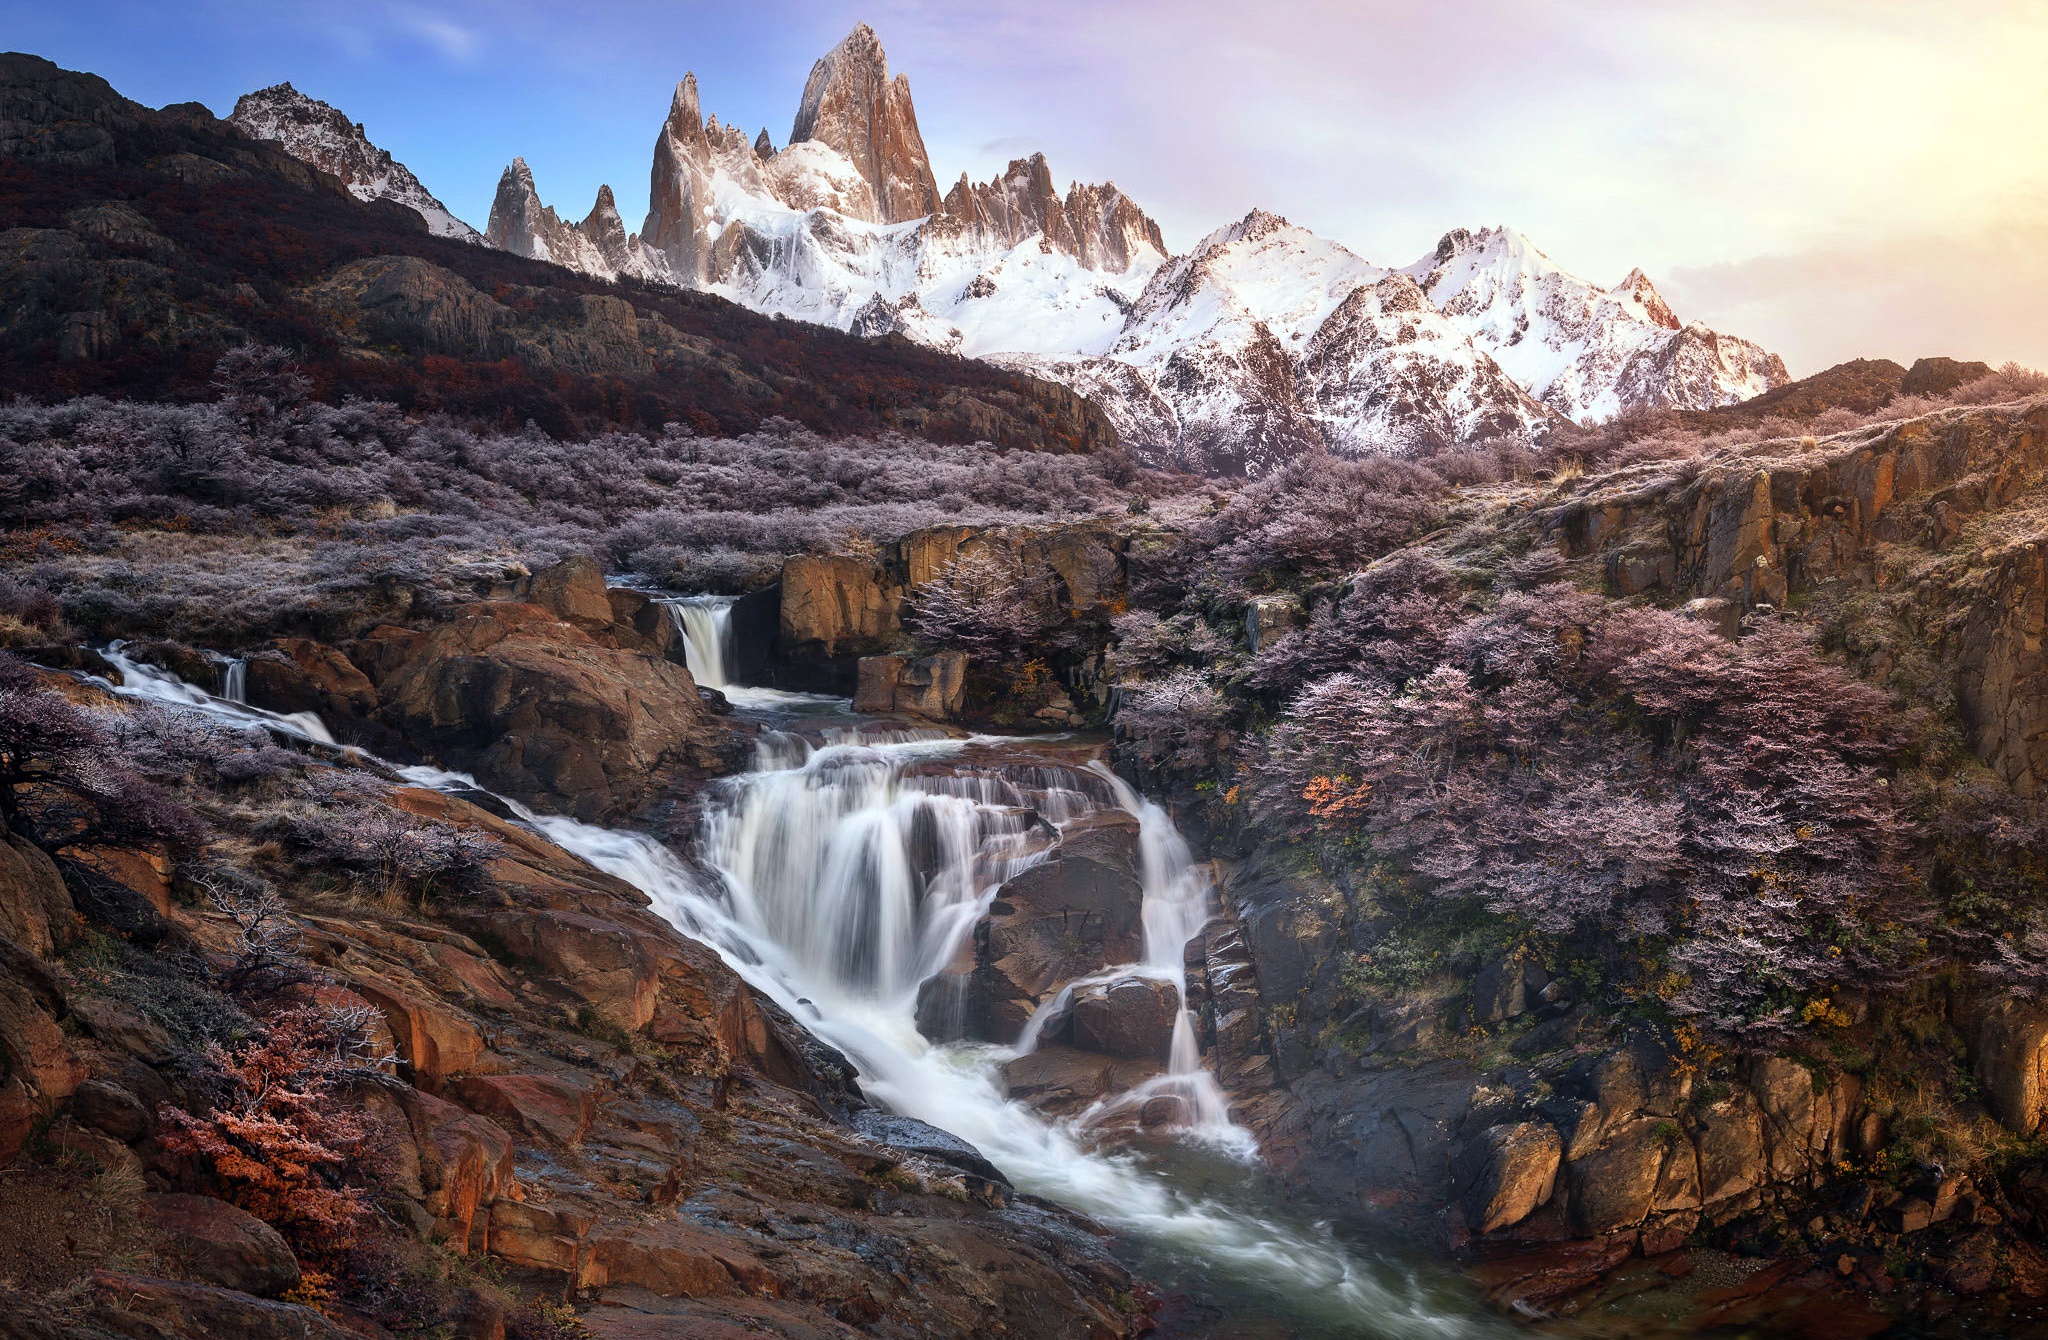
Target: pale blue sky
<point>1832,177</point>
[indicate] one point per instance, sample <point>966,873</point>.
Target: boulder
<point>432,1037</point>
<point>297,674</point>
<point>218,1243</point>
<point>573,590</point>
<point>545,713</point>
<point>933,687</point>
<point>172,1308</point>
<point>1510,1170</point>
<point>610,966</point>
<point>1615,1186</point>
<point>111,1109</point>
<point>1131,1016</point>
<point>1063,1081</point>
<point>1076,912</point>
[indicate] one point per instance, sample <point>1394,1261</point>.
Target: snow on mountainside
<point>1266,341</point>
<point>1262,342</point>
<point>316,133</point>
<point>1587,352</point>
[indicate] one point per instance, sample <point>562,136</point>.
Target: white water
<point>705,623</point>
<point>848,872</point>
<point>234,680</point>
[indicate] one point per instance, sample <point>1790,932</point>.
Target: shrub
<point>281,1137</point>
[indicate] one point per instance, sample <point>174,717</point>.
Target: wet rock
<point>217,1243</point>
<point>1508,987</point>
<point>917,1137</point>
<point>1510,1171</point>
<point>1131,1016</point>
<point>1074,913</point>
<point>1063,1081</point>
<point>301,675</point>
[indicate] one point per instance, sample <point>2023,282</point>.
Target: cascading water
<point>851,869</point>
<point>706,625</point>
<point>234,680</point>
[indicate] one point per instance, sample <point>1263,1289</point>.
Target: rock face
<point>933,687</point>
<point>318,134</point>
<point>598,246</point>
<point>851,105</point>
<point>1782,519</point>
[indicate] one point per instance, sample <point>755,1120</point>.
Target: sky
<point>1833,178</point>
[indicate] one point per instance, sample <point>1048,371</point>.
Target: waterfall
<point>706,625</point>
<point>234,680</point>
<point>847,869</point>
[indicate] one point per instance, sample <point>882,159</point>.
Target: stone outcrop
<point>1782,519</point>
<point>219,1244</point>
<point>933,687</point>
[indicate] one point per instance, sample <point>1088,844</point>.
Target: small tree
<point>982,605</point>
<point>281,1137</point>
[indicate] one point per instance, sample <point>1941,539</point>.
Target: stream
<point>851,863</point>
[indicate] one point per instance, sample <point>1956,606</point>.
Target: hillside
<point>142,243</point>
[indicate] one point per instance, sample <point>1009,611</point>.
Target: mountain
<point>317,133</point>
<point>1266,341</point>
<point>1262,342</point>
<point>1588,353</point>
<point>141,244</point>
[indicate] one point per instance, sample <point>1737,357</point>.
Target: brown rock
<point>1513,1169</point>
<point>544,713</point>
<point>432,1037</point>
<point>465,1163</point>
<point>218,1243</point>
<point>107,1107</point>
<point>201,1312</point>
<point>553,1108</point>
<point>851,104</point>
<point>933,687</point>
<point>2009,1053</point>
<point>670,1260</point>
<point>1132,1016</point>
<point>1073,913</point>
<point>836,606</point>
<point>302,675</point>
<point>573,590</point>
<point>606,964</point>
<point>1062,1080</point>
<point>1730,1141</point>
<point>1615,1186</point>
<point>35,908</point>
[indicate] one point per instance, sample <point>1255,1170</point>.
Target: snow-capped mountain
<point>1587,352</point>
<point>1262,342</point>
<point>317,133</point>
<point>1266,341</point>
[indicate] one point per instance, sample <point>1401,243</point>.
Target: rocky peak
<point>763,146</point>
<point>520,223</point>
<point>1251,228</point>
<point>852,105</point>
<point>319,134</point>
<point>1638,289</point>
